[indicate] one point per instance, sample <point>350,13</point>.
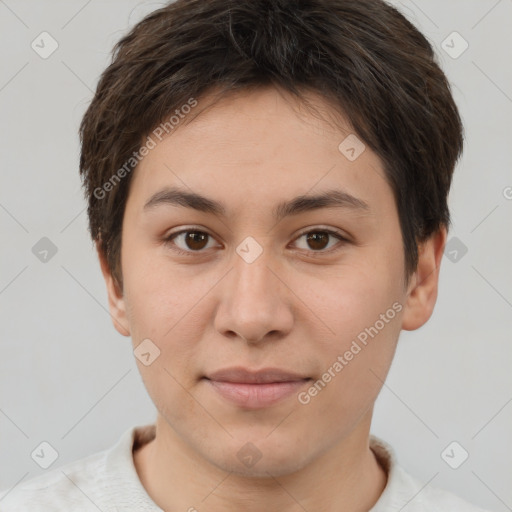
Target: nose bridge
<point>251,279</point>
<point>252,302</point>
<point>254,291</point>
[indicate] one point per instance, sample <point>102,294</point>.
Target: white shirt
<point>108,481</point>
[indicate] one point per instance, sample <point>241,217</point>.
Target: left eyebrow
<point>327,199</point>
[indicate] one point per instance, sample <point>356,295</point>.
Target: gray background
<point>68,378</point>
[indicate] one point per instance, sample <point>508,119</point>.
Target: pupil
<point>315,240</point>
<point>315,237</point>
<point>193,237</point>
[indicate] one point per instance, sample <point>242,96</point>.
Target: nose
<point>254,302</point>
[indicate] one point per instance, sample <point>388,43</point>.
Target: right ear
<point>116,302</point>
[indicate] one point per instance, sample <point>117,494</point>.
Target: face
<point>253,279</point>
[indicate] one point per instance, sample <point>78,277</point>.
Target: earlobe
<point>116,302</point>
<point>422,291</point>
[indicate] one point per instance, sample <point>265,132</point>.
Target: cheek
<point>166,305</point>
<point>158,295</point>
<point>164,309</point>
<point>362,308</point>
<point>355,365</point>
<point>355,298</point>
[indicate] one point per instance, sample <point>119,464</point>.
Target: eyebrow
<point>304,203</point>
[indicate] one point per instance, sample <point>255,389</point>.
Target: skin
<point>297,307</point>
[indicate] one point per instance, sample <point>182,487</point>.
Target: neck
<point>177,478</point>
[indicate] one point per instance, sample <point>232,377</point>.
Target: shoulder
<point>429,498</point>
<point>407,493</point>
<point>106,481</point>
<point>70,487</point>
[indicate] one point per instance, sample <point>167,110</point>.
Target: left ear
<point>423,285</point>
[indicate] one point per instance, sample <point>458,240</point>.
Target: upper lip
<point>247,376</point>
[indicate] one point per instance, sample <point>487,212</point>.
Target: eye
<point>317,240</point>
<point>188,241</point>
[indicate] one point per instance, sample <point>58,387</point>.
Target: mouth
<point>255,389</point>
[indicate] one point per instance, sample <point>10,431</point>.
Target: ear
<point>116,301</point>
<point>423,285</point>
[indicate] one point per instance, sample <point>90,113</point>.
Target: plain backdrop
<point>68,378</point>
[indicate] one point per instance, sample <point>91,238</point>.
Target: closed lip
<point>241,375</point>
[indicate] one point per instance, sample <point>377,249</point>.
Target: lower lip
<point>256,396</point>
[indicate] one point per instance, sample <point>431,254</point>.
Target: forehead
<point>261,147</point>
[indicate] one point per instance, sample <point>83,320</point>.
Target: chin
<point>258,457</point>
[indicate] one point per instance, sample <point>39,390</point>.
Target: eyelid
<point>342,237</point>
<point>323,229</point>
<point>169,238</point>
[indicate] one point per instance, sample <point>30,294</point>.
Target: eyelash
<point>169,241</point>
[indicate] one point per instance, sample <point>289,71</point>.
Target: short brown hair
<point>363,56</point>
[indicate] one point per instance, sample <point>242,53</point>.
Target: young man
<point>267,184</point>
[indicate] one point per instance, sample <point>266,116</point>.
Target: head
<point>202,149</point>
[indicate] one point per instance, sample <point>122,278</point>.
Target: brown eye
<point>321,240</point>
<point>196,240</point>
<point>318,240</point>
<point>189,241</point>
